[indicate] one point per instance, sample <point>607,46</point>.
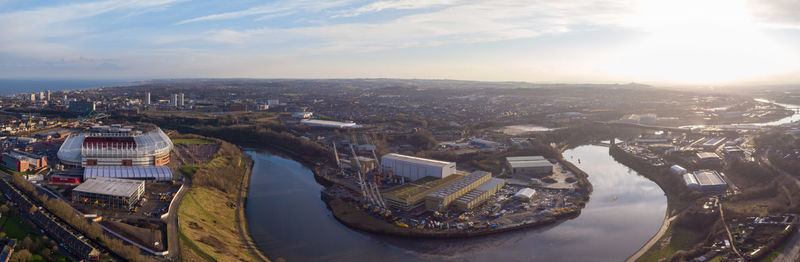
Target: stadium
<point>116,146</point>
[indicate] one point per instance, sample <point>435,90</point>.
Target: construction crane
<point>361,181</point>
<point>336,156</point>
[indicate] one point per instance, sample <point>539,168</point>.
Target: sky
<point>693,42</point>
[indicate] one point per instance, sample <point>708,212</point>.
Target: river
<point>288,220</point>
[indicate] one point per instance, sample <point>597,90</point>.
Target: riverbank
<point>241,218</point>
<point>211,223</point>
<point>355,218</point>
<point>672,188</point>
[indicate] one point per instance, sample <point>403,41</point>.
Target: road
<point>173,244</point>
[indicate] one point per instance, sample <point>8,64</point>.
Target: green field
<point>192,141</point>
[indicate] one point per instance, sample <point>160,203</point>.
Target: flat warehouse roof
<point>535,163</point>
<point>160,173</point>
<point>704,155</point>
<point>524,158</point>
<point>709,178</point>
<point>414,159</point>
<point>109,186</point>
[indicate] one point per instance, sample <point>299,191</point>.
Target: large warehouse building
<point>116,146</point>
<point>440,199</point>
<point>533,165</point>
<point>414,168</point>
<point>109,192</point>
<point>480,194</point>
<point>705,180</point>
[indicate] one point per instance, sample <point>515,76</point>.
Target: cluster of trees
<point>64,211</point>
<point>240,130</point>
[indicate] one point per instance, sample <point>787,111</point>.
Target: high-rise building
<point>65,101</point>
<point>48,95</point>
<point>182,100</point>
<point>174,100</point>
<point>41,95</point>
<point>33,97</point>
<point>147,99</point>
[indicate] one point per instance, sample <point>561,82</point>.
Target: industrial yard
<point>426,197</point>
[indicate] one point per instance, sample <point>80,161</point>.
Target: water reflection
<point>287,219</point>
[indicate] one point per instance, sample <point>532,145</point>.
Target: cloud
<point>472,22</point>
<point>396,4</point>
<point>782,13</point>
<point>271,10</point>
<point>31,32</point>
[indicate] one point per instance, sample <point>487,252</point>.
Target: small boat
<point>614,199</point>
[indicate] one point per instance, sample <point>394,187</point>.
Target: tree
<point>4,208</point>
<point>27,243</point>
<point>21,256</point>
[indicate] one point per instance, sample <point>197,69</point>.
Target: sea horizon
<point>11,86</point>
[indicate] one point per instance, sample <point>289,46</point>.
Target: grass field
<point>192,141</point>
<point>207,227</point>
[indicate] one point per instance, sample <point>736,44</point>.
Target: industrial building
<point>22,162</point>
<point>525,193</point>
<point>412,195</point>
<point>533,165</point>
<point>327,123</point>
<point>483,142</point>
<point>414,168</point>
<point>707,158</point>
<point>439,200</point>
<point>678,170</point>
<point>480,194</point>
<point>303,115</point>
<point>116,146</point>
<point>109,192</point>
<point>146,173</point>
<point>713,143</point>
<point>705,180</point>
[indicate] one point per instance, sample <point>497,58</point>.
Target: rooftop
<point>418,160</point>
<point>160,173</point>
<point>110,186</point>
<point>533,163</point>
<point>708,177</point>
<point>524,158</point>
<point>707,155</point>
<point>459,184</point>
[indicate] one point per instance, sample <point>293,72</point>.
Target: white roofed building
<point>123,147</point>
<point>416,167</point>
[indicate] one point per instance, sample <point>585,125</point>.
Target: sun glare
<point>702,42</point>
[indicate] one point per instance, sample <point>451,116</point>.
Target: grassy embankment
<point>207,225</point>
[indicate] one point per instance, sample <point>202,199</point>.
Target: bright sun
<point>698,41</point>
